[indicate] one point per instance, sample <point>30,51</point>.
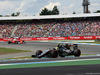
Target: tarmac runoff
<point>7,59</point>
<point>89,55</point>
<point>73,42</point>
<point>85,55</point>
<point>51,63</point>
<point>16,58</point>
<point>7,65</point>
<point>69,41</point>
<point>13,66</point>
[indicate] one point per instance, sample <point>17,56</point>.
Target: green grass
<point>25,57</point>
<point>31,65</point>
<point>11,51</point>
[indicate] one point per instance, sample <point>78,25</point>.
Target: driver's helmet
<point>67,46</point>
<point>59,45</point>
<point>56,48</point>
<point>53,49</point>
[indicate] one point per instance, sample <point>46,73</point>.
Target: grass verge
<point>11,51</point>
<point>15,58</point>
<point>49,64</point>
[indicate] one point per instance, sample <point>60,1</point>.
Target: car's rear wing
<point>75,46</point>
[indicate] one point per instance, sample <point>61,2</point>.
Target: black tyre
<point>54,54</point>
<point>23,42</point>
<point>16,42</point>
<point>38,52</point>
<point>33,56</point>
<point>77,53</point>
<point>9,42</point>
<point>61,53</point>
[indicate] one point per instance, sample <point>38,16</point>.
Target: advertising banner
<point>54,38</point>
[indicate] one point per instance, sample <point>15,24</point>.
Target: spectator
<point>51,29</point>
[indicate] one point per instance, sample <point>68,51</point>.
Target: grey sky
<point>34,7</point>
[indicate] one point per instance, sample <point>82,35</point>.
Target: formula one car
<point>16,41</point>
<point>60,50</point>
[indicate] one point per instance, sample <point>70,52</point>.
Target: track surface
<point>33,46</point>
<point>62,70</point>
<point>59,70</point>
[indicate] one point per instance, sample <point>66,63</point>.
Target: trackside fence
<point>55,38</point>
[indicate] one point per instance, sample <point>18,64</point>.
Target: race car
<point>68,49</point>
<point>16,41</point>
<point>60,50</point>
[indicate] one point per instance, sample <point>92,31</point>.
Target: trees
<point>74,12</point>
<point>1,16</point>
<point>45,11</point>
<point>18,13</point>
<point>98,11</point>
<point>15,14</point>
<point>55,11</point>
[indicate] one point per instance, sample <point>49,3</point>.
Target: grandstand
<point>50,26</point>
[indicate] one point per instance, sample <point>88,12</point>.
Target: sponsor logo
<point>58,38</point>
<point>74,37</point>
<point>26,39</point>
<point>97,37</point>
<point>42,38</point>
<point>88,37</point>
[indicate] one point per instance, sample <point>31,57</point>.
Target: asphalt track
<point>62,70</point>
<point>59,70</point>
<point>33,46</point>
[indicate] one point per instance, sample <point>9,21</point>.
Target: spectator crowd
<point>51,29</point>
<point>6,30</point>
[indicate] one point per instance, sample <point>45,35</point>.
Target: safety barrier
<point>55,38</point>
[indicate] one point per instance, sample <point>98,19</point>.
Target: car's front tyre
<point>9,42</point>
<point>38,52</point>
<point>54,54</point>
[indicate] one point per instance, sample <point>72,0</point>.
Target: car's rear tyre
<point>77,53</point>
<point>24,42</point>
<point>16,42</point>
<point>54,54</point>
<point>38,52</point>
<point>62,55</point>
<point>9,42</point>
